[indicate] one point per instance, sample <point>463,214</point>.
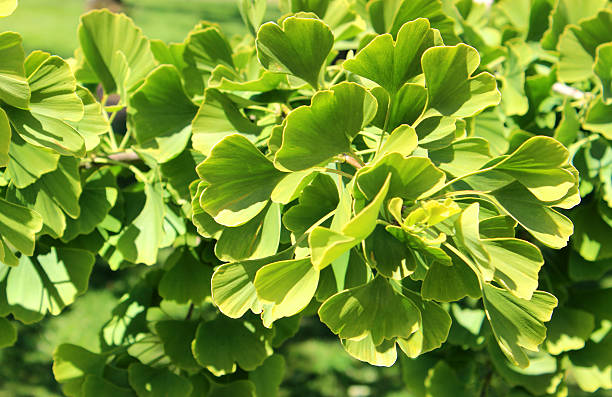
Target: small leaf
<point>598,118</point>
<point>603,69</point>
<point>14,89</point>
<point>176,336</point>
<point>383,355</point>
<point>18,226</point>
<point>314,134</point>
<point>27,163</point>
<point>8,333</point>
<point>374,309</point>
<point>187,280</point>
<point>569,329</point>
<point>269,376</point>
<point>299,48</point>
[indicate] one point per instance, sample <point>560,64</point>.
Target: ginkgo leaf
<point>412,178</point>
<point>568,12</point>
<point>14,89</point>
<point>299,47</point>
<point>186,280</point>
<point>54,279</point>
<point>451,88</point>
<point>518,323</point>
<point>568,329</point>
<point>218,117</point>
<point>236,166</point>
<point>5,138</point>
<point>236,344</point>
<point>94,121</point>
<point>316,133</point>
<point>389,63</point>
<point>161,114</point>
<point>327,245</point>
<point>27,163</point>
<point>53,104</point>
<point>176,336</point>
<point>18,227</point>
<point>115,49</point>
<point>603,69</point>
<point>149,382</point>
<point>140,241</point>
<point>285,288</point>
<point>8,333</point>
<point>390,16</point>
<point>383,355</point>
<point>598,118</point>
<point>232,285</point>
<point>375,309</point>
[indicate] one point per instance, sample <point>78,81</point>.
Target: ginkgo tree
<point>404,171</point>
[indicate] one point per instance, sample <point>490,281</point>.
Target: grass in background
<point>52,25</point>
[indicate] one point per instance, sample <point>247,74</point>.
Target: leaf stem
<point>333,171</point>
<point>385,127</point>
<point>125,139</point>
<point>311,228</point>
<point>138,173</point>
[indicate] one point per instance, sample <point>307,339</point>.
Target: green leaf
<point>318,199</point>
<point>240,388</point>
<point>218,117</point>
<point>598,118</point>
<point>94,121</point>
<point>140,241</point>
<point>8,333</point>
<point>450,283</point>
<point>591,366</point>
<point>53,104</point>
<point>299,48</point>
<point>27,163</point>
<point>412,178</point>
<point>568,12</point>
<point>232,285</point>
<point>53,195</point>
<point>241,180</point>
<point>18,227</point>
<point>14,89</point>
<point>236,343</point>
<point>451,89</point>
<point>285,288</point>
<point>462,156</point>
<point>389,256</point>
<point>187,279</point>
<point>47,282</point>
<point>72,364</point>
<point>569,329</point>
<point>439,132</point>
<point>161,114</point>
<point>269,376</point>
<point>442,381</point>
<point>252,13</point>
<point>389,63</point>
<point>578,46</point>
<point>258,238</point>
<point>7,7</point>
<point>518,323</point>
<point>390,16</point>
<point>402,140</point>
<point>176,336</point>
<point>383,355</point>
<point>98,197</point>
<point>327,245</point>
<point>544,223</point>
<point>154,382</point>
<point>375,309</point>
<point>115,49</point>
<point>435,325</point>
<point>98,386</point>
<point>603,69</point>
<point>314,134</point>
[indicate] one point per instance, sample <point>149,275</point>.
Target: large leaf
<point>375,309</point>
<point>327,245</point>
<point>241,180</point>
<point>235,343</point>
<point>299,48</point>
<point>47,282</point>
<point>115,49</point>
<point>285,287</point>
<point>27,163</point>
<point>161,114</point>
<point>18,227</point>
<point>316,133</point>
<point>140,241</point>
<point>412,178</point>
<point>389,63</point>
<point>451,88</point>
<point>518,323</point>
<point>53,104</point>
<point>14,88</point>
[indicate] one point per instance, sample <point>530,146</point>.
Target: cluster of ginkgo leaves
<point>400,169</point>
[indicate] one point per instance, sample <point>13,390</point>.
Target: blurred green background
<point>317,365</point>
